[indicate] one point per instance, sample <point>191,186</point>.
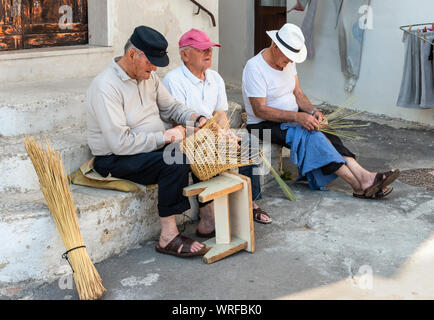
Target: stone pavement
<point>326,245</point>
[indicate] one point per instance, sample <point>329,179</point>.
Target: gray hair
<point>129,45</point>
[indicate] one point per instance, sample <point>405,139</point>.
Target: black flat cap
<point>152,43</point>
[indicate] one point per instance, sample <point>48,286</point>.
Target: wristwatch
<point>196,123</point>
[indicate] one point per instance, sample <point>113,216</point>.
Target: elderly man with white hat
<point>275,101</point>
<point>203,90</point>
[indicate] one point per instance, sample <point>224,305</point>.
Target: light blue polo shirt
<point>203,96</point>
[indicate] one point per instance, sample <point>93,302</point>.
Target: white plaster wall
<point>171,17</point>
<point>382,62</point>
<point>237,31</point>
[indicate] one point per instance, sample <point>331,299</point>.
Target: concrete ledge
<point>30,108</point>
<point>110,222</point>
<point>18,174</point>
<point>53,52</point>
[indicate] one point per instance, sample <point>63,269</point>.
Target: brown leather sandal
<point>391,176</point>
<point>375,187</point>
<point>257,216</point>
<point>378,196</point>
<point>186,243</point>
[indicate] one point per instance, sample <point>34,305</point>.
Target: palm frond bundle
<point>57,193</point>
<point>338,122</point>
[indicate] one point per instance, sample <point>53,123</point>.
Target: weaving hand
<point>307,121</point>
<point>230,138</point>
<point>174,135</point>
<point>320,117</point>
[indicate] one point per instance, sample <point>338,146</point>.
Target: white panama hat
<point>290,40</point>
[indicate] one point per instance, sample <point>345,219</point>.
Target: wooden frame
<point>232,195</point>
<point>26,24</point>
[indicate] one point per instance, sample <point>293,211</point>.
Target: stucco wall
<point>382,62</point>
<point>237,32</point>
<point>170,17</point>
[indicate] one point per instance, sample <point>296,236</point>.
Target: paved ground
<point>325,245</point>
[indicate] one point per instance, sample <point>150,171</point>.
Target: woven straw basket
<point>214,149</point>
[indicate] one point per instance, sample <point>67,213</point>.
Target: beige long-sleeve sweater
<point>124,117</point>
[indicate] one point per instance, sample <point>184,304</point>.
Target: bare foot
<point>206,224</point>
<point>263,217</point>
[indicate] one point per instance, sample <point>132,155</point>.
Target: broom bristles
<point>57,193</point>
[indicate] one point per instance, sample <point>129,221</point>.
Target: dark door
<point>269,15</point>
<point>28,24</point>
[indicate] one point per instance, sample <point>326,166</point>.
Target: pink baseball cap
<point>197,39</point>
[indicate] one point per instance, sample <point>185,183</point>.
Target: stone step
<point>111,222</point>
<point>31,108</point>
<point>17,172</point>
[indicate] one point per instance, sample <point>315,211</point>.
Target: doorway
<point>269,15</point>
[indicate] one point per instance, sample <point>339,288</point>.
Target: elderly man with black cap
<point>126,105</point>
<point>275,101</point>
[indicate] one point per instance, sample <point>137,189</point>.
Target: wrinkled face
<point>198,59</point>
<point>279,58</point>
<point>141,67</point>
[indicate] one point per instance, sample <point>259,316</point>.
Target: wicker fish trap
<point>216,148</point>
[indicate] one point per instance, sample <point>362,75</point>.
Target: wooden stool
<point>233,213</point>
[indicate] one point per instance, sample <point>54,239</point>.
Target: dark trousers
<point>254,180</point>
<point>278,136</point>
<point>149,168</point>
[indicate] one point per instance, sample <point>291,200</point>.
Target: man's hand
<point>202,122</point>
<point>320,117</point>
<point>174,135</point>
<point>307,121</point>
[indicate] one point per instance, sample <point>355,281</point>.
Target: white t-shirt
<point>203,96</point>
<point>260,80</point>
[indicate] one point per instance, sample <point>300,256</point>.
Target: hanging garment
<point>350,39</point>
<point>427,94</point>
<point>308,26</point>
<point>299,6</point>
<point>417,79</point>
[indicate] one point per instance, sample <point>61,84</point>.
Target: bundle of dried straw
<point>57,193</point>
<point>338,122</point>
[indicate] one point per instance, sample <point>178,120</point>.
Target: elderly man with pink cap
<point>203,90</point>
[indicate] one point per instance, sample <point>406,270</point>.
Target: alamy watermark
<point>227,147</point>
<point>364,279</point>
<point>366,21</point>
<point>66,20</point>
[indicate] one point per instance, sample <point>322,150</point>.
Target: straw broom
<point>57,193</point>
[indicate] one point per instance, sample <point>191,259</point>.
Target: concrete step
<point>110,223</point>
<point>31,108</point>
<point>17,172</point>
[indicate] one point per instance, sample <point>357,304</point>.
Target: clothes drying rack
<point>418,34</point>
